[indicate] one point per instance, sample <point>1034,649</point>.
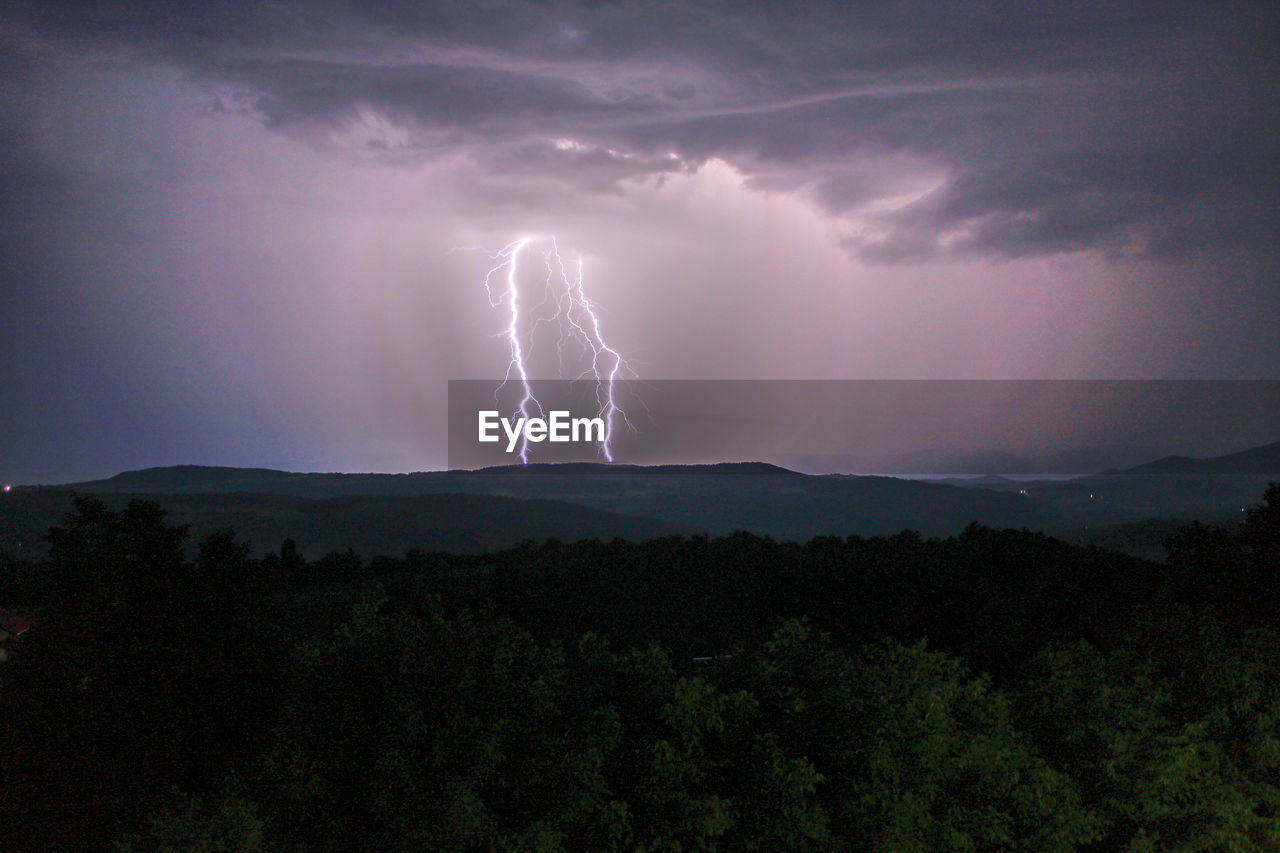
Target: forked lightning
<point>577,320</point>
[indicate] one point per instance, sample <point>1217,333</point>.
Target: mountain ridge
<point>1263,459</point>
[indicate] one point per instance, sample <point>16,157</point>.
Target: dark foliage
<point>997,690</point>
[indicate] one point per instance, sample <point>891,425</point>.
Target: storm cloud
<point>251,233</point>
<point>1136,129</point>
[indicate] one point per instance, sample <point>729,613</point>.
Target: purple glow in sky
<point>226,227</point>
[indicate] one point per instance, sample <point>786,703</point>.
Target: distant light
<point>8,488</point>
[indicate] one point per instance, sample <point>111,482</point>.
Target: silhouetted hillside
<point>714,499</point>
<point>183,478</point>
<point>1255,460</point>
<point>646,501</point>
<point>369,525</point>
<point>716,469</point>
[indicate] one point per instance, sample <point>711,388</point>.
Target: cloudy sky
<point>255,233</point>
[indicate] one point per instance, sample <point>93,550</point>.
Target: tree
<point>132,683</point>
<point>695,767</point>
<point>433,733</point>
<point>1172,737</point>
<point>1262,522</point>
<point>916,753</point>
<point>228,825</point>
<point>102,562</point>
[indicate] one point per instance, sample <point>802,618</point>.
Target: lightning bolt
<point>577,320</point>
<point>508,258</point>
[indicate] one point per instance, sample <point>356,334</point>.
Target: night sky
<point>248,233</point>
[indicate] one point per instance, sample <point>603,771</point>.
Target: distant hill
<point>184,478</point>
<point>714,499</point>
<point>1175,487</point>
<point>197,479</point>
<point>1256,460</point>
<point>994,481</point>
<point>587,468</point>
<point>369,525</point>
<point>459,523</point>
<point>472,511</point>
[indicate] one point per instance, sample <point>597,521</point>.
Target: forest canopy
<point>996,690</point>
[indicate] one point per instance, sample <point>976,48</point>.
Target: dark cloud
<point>1137,129</point>
<point>231,223</point>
